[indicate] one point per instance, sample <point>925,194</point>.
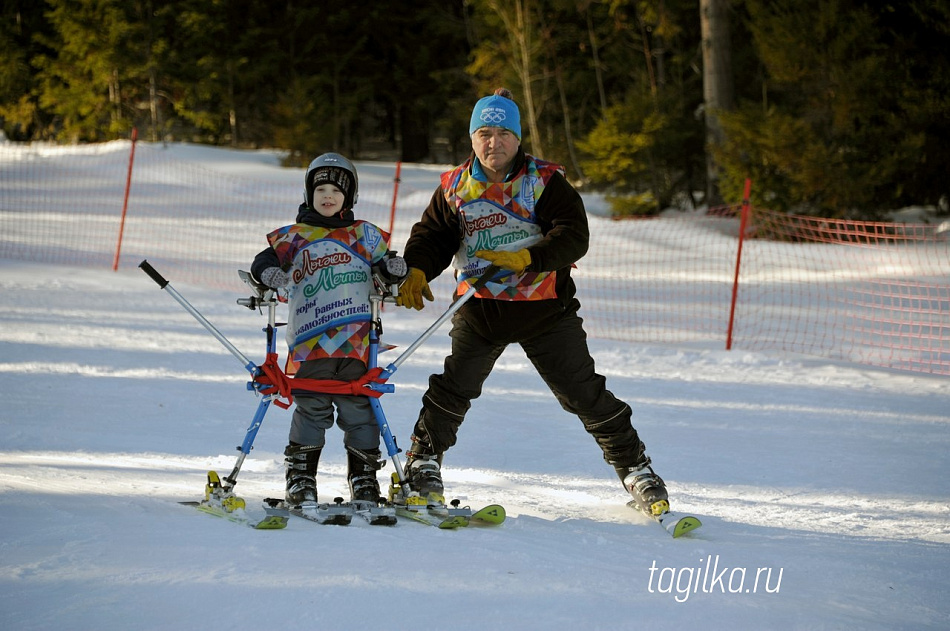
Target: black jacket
<point>437,236</point>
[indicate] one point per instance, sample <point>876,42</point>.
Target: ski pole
<point>480,282</point>
<point>390,441</point>
<point>162,283</point>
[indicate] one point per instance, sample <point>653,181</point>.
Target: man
<point>508,208</point>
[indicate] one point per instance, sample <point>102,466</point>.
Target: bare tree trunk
<point>656,177</point>
<point>659,51</point>
<point>598,73</point>
<point>154,124</point>
<point>232,111</point>
<point>566,114</point>
<point>718,90</point>
<point>337,114</point>
<point>562,93</point>
<point>516,16</point>
<point>524,40</point>
<point>153,104</point>
<point>648,56</point>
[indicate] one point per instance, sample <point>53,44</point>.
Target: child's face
<point>328,200</point>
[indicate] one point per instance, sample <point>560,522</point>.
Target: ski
<point>431,510</point>
<point>434,517</point>
<point>374,513</point>
<point>492,515</point>
<point>450,517</point>
<point>272,520</point>
<point>336,514</point>
<point>676,525</point>
<point>339,513</point>
<point>222,503</point>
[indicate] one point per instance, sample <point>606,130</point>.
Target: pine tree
<point>647,149</point>
<point>839,121</point>
<point>81,81</point>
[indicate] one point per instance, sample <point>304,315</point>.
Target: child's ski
<point>375,514</point>
<point>339,513</point>
<point>335,514</point>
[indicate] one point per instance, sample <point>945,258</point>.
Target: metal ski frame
<point>265,296</point>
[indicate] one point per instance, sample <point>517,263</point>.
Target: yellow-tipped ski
<point>676,525</point>
<point>221,503</point>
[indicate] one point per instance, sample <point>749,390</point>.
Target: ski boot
<point>424,474</point>
<point>646,487</point>
<point>301,462</point>
<point>364,488</point>
<point>361,475</point>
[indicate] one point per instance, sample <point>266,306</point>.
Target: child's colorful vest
<point>331,274</point>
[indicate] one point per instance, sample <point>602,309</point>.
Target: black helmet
<point>332,168</point>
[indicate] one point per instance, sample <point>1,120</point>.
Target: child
<point>326,260</point>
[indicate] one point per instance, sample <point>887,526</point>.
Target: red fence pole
<point>392,211</point>
<point>125,202</point>
<point>743,221</point>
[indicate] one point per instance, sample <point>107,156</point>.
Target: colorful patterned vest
<point>331,274</point>
<point>499,216</point>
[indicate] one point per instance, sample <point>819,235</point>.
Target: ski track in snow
<point>167,477</point>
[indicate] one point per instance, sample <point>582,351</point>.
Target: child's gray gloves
<point>275,277</point>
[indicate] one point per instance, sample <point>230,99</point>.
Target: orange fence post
<point>125,202</point>
<point>392,211</point>
<point>743,221</point>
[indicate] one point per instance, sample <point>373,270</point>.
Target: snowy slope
<point>830,477</point>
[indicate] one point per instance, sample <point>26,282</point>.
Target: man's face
<point>495,148</point>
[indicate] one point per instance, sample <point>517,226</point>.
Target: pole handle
<point>480,282</point>
<point>486,276</point>
<point>158,278</point>
<point>153,273</point>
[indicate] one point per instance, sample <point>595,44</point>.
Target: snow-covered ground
<point>822,486</point>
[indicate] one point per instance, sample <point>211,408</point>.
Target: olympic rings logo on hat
<point>492,115</point>
<point>495,111</point>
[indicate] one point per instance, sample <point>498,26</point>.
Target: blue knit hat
<point>497,110</point>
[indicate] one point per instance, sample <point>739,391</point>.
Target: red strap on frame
<point>277,382</point>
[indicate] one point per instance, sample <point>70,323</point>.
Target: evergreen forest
<point>835,108</point>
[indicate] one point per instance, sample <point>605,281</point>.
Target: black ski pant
<point>563,361</point>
